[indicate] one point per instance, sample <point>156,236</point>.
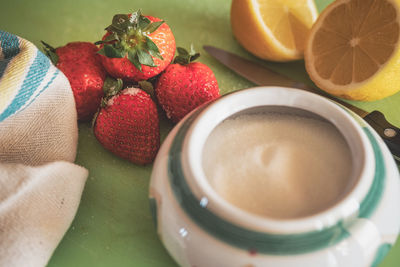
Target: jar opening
<point>279,162</point>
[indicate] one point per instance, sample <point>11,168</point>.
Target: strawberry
<point>136,47</point>
<point>128,126</point>
<point>185,85</point>
<point>81,64</point>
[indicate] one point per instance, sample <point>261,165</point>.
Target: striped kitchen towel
<point>25,73</point>
<point>37,109</point>
<point>40,187</point>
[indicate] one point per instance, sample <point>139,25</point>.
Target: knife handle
<point>389,133</point>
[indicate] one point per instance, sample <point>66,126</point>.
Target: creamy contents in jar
<point>276,165</point>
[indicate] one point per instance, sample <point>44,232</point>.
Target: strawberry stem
<point>129,37</point>
<point>147,87</point>
<point>184,57</point>
<point>111,87</point>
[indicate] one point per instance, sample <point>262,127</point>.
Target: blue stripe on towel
<point>55,74</point>
<point>10,48</point>
<point>34,77</point>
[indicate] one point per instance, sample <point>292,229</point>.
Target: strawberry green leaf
<point>182,51</point>
<point>133,57</point>
<point>113,29</point>
<point>193,54</point>
<point>143,22</point>
<point>110,38</point>
<point>153,49</point>
<point>101,51</point>
<point>184,57</point>
<point>47,46</point>
<point>120,22</point>
<point>111,52</point>
<point>50,52</point>
<point>181,61</point>
<point>152,27</point>
<point>111,86</point>
<point>155,54</point>
<point>194,57</point>
<point>145,58</point>
<point>53,57</point>
<point>147,87</point>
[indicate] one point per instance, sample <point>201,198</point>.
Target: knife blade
<point>261,75</point>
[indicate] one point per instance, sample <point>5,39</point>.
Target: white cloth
<point>37,205</point>
<point>40,187</point>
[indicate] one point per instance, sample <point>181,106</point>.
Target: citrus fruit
<point>353,49</point>
<point>273,29</point>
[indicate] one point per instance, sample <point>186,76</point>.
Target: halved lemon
<point>353,49</point>
<point>273,29</point>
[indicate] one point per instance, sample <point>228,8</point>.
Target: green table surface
<point>113,225</point>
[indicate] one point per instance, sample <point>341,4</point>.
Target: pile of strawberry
<point>106,76</point>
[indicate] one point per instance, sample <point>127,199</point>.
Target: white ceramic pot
<point>199,228</point>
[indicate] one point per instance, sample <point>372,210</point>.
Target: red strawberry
<point>128,125</point>
<point>185,85</point>
<point>81,64</point>
<point>136,47</point>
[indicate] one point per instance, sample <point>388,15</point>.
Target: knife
<point>262,75</point>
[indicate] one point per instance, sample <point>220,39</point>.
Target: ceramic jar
<point>199,228</point>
